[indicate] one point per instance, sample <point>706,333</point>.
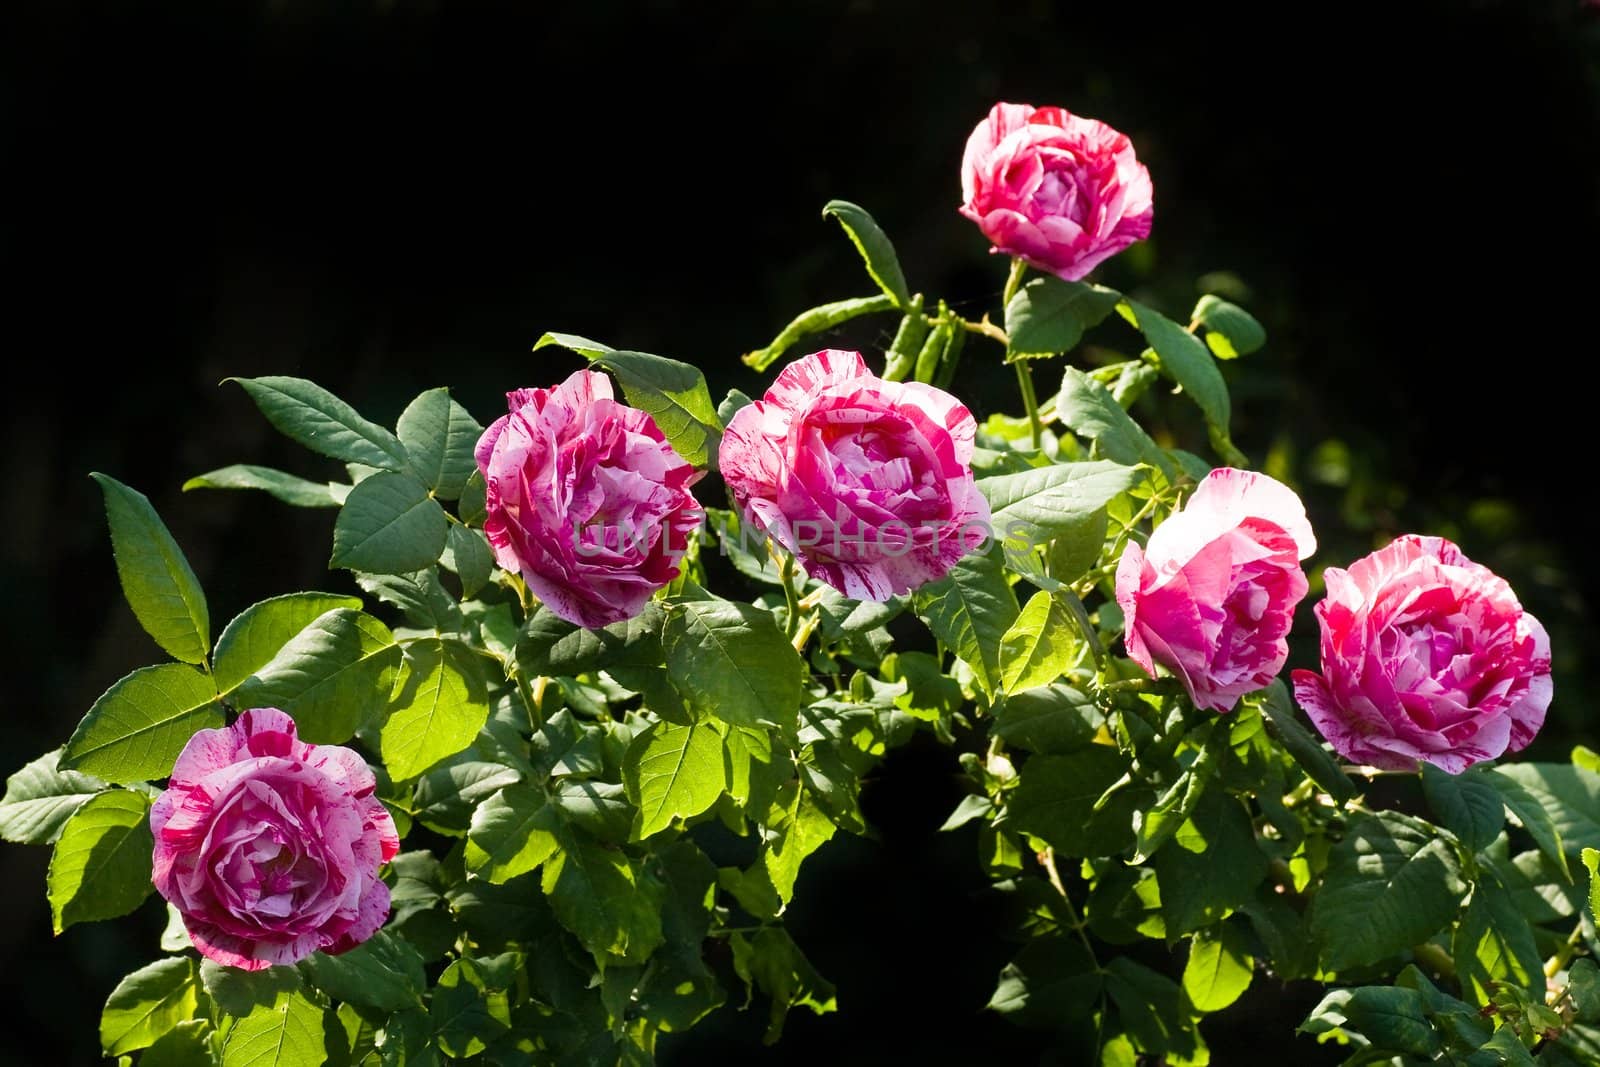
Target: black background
<point>386,197</point>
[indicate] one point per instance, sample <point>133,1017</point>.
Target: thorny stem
<point>1047,860</point>
<point>791,623</point>
<point>985,327</point>
<point>1030,401</point>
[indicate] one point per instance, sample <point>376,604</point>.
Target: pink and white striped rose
<point>868,482</point>
<point>1426,655</point>
<point>1063,192</point>
<point>1212,595</point>
<point>269,847</point>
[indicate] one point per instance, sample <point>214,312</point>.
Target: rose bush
<point>1063,192</point>
<point>269,847</point>
<point>869,483</point>
<point>1212,595</point>
<point>586,762</point>
<point>1426,655</point>
<point>586,500</point>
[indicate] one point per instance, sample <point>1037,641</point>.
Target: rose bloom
<point>1426,655</point>
<point>868,482</point>
<point>1065,193</point>
<point>585,500</point>
<point>1212,595</point>
<point>269,847</point>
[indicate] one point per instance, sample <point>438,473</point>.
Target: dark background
<point>391,196</point>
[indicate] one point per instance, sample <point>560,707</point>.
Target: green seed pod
<point>901,359</point>
<point>932,351</point>
<point>952,356</point>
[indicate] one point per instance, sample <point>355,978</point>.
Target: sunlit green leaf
<point>1391,883</point>
<point>439,436</point>
<point>156,578</point>
<point>40,798</point>
<point>289,488</point>
<point>323,423</point>
<point>389,525</point>
<point>440,703</point>
<point>148,1003</point>
<point>874,246</point>
<point>101,865</point>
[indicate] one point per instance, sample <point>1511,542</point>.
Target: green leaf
<point>40,798</point>
<point>1508,1047</point>
<point>603,896</point>
<point>1178,803</point>
<point>309,414</point>
<point>289,488</point>
<point>732,661</point>
<point>1231,331</point>
<point>795,828</point>
<point>573,343</point>
<point>1219,969</point>
<point>175,938</point>
<point>1567,795</point>
<point>1494,943</point>
<point>383,972</point>
<point>136,729</point>
<point>471,506</point>
<point>1212,865</point>
<point>1185,360</point>
<point>421,595</point>
<point>331,677</point>
<point>389,525</point>
<point>472,559</point>
<point>1282,932</point>
<point>1033,506</point>
<point>673,772</point>
<point>512,832</point>
<point>1390,1017</point>
<point>1055,800</point>
<point>186,1045</point>
<point>440,703</point>
<point>731,405</point>
<point>260,631</point>
<point>156,579</point>
<point>1073,552</point>
<point>1307,751</point>
<point>816,320</point>
<point>1151,1010</point>
<point>439,435</point>
<point>288,1034</point>
<point>1049,315</point>
<point>148,1003</point>
<point>1053,981</point>
<point>1054,720</point>
<point>101,865</point>
<point>1039,646</point>
<point>1466,805</point>
<point>1393,882</point>
<point>1087,409</point>
<point>970,610</point>
<point>1591,861</point>
<point>875,248</point>
<point>600,808</point>
<point>771,960</point>
<point>675,395</point>
<point>1583,982</point>
<point>239,993</point>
